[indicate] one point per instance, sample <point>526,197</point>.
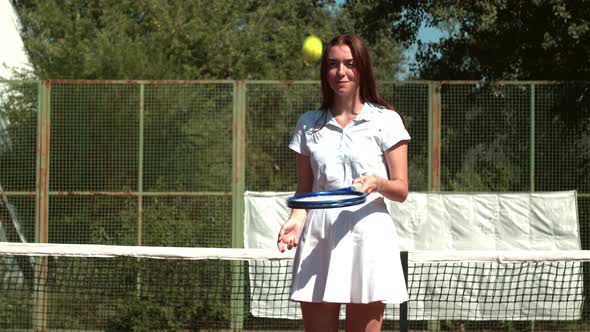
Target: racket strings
<point>327,199</point>
<point>323,198</point>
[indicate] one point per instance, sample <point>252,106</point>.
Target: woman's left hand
<point>370,183</point>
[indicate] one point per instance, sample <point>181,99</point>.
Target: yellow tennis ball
<point>312,49</point>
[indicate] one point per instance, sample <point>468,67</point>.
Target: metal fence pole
<point>238,188</point>
<point>140,165</point>
<point>434,136</point>
<point>42,204</point>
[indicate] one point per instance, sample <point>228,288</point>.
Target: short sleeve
<point>298,142</point>
<point>392,130</point>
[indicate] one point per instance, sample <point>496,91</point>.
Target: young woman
<point>347,255</point>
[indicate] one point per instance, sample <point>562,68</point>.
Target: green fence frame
<point>238,184</point>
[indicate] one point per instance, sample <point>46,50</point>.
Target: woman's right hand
<point>289,234</point>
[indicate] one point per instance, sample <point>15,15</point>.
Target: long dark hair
<point>362,65</point>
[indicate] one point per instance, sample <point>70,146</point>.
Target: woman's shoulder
<point>310,118</point>
<point>381,111</point>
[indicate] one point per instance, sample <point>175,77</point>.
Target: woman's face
<point>342,76</point>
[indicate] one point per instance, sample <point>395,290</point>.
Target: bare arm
<point>396,187</point>
<point>291,230</point>
<point>304,183</point>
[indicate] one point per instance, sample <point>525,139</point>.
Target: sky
<point>425,35</point>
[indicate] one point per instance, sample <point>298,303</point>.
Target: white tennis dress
<point>351,254</point>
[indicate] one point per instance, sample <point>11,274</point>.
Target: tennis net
<point>120,288</point>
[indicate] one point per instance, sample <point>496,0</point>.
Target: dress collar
<point>367,113</point>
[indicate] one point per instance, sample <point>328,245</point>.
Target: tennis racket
<point>348,196</point>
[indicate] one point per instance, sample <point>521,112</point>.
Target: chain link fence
<point>165,163</point>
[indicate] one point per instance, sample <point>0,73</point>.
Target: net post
<point>532,139</point>
<point>403,307</point>
<point>238,188</point>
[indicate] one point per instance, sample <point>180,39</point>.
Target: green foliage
<point>565,131</point>
<point>189,129</point>
<point>244,39</point>
<point>188,137</point>
<point>522,40</point>
<point>142,316</point>
<point>411,102</point>
<point>272,112</point>
<point>172,296</point>
<point>372,20</point>
<point>18,112</point>
<point>485,39</point>
<point>85,145</point>
<point>17,300</point>
<point>485,142</point>
<point>147,315</point>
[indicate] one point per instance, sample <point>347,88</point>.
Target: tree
<point>244,39</point>
<point>94,144</point>
<point>487,39</point>
<point>494,40</point>
<point>508,40</point>
<point>491,40</point>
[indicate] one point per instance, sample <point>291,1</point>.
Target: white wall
<point>12,53</point>
<point>12,56</point>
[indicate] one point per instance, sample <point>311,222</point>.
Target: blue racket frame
<point>357,197</point>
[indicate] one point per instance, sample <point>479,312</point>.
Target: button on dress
<point>351,254</point>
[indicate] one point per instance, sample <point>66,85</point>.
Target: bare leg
<point>320,317</point>
<point>364,317</point>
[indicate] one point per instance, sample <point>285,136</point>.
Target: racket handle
<point>357,186</point>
